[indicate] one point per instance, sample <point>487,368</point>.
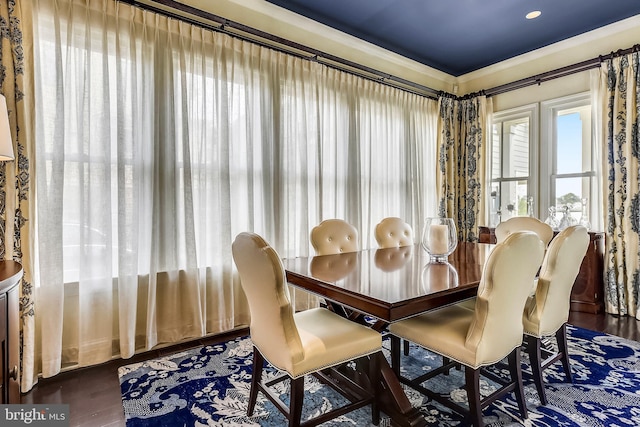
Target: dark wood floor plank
<point>621,326</point>
<point>93,394</point>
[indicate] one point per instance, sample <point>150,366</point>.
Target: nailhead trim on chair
<point>309,371</point>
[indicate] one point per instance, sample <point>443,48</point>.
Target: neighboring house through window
<point>513,162</point>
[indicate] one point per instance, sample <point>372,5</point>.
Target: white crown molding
<point>575,49</point>
<point>269,18</point>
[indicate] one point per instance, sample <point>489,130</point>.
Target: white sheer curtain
<point>158,141</point>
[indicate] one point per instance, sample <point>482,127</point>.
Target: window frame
<point>530,111</point>
<point>548,148</point>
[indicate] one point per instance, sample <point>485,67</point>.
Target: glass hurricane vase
<point>439,238</point>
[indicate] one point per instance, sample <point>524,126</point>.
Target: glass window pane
<point>507,199</point>
<point>573,150</point>
<point>494,204</point>
<point>509,164</point>
<point>496,149</point>
<point>515,161</point>
<point>570,192</point>
<point>513,198</point>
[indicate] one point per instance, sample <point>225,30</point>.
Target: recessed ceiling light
<point>534,14</point>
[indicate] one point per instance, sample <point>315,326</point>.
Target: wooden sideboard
<point>10,275</point>
<point>587,294</point>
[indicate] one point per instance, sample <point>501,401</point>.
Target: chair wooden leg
<point>374,375</point>
<point>406,347</point>
<point>446,361</point>
<point>295,403</point>
<point>515,369</point>
<point>472,379</point>
<point>535,358</point>
<point>256,377</point>
<point>395,355</point>
<point>561,337</point>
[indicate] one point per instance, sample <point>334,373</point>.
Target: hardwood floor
<point>622,326</point>
<point>93,394</point>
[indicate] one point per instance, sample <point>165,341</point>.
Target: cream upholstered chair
<point>486,335</point>
<point>393,232</point>
<point>547,311</point>
<point>331,237</point>
<point>524,223</point>
<point>298,344</point>
<point>334,236</point>
<point>519,223</point>
<point>391,259</point>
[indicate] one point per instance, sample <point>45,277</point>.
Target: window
<point>513,163</point>
<point>567,163</point>
<point>567,166</point>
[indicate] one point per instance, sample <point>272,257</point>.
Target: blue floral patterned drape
<point>620,88</point>
<point>15,84</point>
<point>462,131</point>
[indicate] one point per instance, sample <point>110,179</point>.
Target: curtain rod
<point>290,47</point>
<point>283,45</point>
<point>559,72</point>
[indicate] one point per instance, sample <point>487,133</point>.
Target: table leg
<point>393,400</point>
<point>385,386</point>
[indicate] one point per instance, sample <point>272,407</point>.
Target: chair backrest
<point>391,259</point>
<point>334,236</point>
<point>524,223</point>
<point>333,267</point>
<point>548,309</point>
<point>506,280</point>
<point>273,330</point>
<point>393,232</point>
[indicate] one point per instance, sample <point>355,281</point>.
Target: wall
<point>569,85</point>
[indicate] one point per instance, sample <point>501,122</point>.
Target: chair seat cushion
<point>443,331</point>
<point>539,327</point>
<point>468,303</point>
<point>329,339</point>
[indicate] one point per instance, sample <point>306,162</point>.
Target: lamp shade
<point>6,145</point>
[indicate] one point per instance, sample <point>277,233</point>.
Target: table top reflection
<point>393,283</point>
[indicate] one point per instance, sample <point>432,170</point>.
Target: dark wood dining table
<point>389,285</point>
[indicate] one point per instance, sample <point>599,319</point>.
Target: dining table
<point>380,286</point>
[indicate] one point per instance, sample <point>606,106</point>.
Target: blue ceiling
<point>460,36</point>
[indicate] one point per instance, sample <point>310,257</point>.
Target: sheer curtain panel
<point>158,141</point>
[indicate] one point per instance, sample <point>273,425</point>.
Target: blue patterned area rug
<point>209,386</point>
